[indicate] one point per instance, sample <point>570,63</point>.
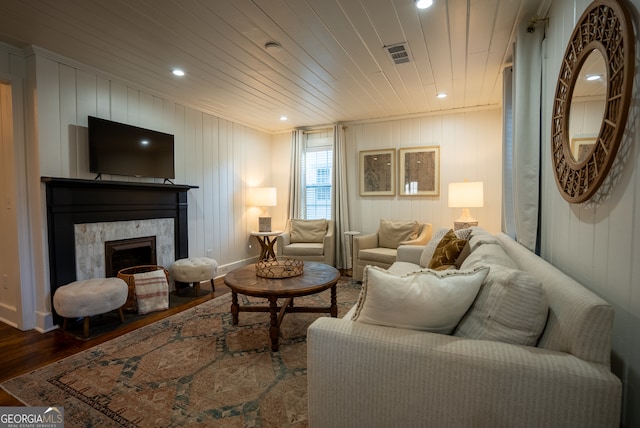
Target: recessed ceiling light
<point>442,95</point>
<point>177,72</point>
<point>423,4</point>
<point>283,118</point>
<point>591,77</point>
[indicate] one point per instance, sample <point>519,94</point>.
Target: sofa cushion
<point>511,307</point>
<point>307,230</point>
<point>487,253</point>
<point>480,236</point>
<point>425,300</point>
<point>379,255</point>
<point>447,251</point>
<point>303,249</point>
<point>392,233</point>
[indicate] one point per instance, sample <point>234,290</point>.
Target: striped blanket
<point>152,291</point>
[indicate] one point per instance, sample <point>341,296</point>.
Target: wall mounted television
<point>119,149</point>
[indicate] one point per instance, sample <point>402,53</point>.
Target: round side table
<point>267,240</point>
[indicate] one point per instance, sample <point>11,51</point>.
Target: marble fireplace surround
<point>72,202</point>
<point>91,237</point>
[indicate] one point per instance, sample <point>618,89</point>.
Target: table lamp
<point>466,195</point>
<point>264,197</point>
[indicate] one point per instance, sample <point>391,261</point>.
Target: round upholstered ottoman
<point>193,270</point>
<point>85,298</point>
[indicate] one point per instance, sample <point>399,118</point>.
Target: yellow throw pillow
<point>447,251</point>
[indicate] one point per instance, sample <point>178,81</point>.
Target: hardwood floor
<point>23,351</point>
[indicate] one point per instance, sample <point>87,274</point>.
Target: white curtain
<point>340,202</point>
<point>508,214</point>
<point>296,184</point>
<point>527,93</point>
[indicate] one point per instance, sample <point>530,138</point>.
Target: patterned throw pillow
<point>447,251</point>
<point>430,248</point>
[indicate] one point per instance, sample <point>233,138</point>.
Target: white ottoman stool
<point>193,270</point>
<point>82,299</point>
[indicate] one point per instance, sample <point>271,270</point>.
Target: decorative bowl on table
<point>279,268</point>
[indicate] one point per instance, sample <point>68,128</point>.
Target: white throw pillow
<point>511,307</point>
<point>425,300</point>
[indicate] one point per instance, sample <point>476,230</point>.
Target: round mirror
<point>587,106</point>
<point>604,29</point>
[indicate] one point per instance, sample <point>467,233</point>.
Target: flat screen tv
<point>119,149</point>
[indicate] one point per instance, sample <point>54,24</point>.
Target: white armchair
<point>380,249</point>
<point>311,240</point>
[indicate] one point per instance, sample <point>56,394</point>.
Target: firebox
<point>124,253</point>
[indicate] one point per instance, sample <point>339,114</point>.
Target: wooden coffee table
<point>317,277</point>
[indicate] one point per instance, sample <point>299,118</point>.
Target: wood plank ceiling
<point>331,66</point>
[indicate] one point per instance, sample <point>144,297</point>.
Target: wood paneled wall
<point>219,156</point>
<point>470,148</point>
<point>598,242</point>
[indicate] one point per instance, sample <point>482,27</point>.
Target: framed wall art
<point>582,147</point>
<point>419,171</point>
<point>377,173</point>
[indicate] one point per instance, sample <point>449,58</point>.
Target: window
<point>318,167</point>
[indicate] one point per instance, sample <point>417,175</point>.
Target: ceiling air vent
<point>399,53</point>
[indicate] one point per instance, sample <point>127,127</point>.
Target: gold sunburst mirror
<point>582,157</point>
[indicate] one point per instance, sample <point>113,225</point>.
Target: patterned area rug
<point>191,369</point>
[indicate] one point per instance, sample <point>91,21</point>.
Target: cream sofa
<point>361,374</point>
<point>380,248</point>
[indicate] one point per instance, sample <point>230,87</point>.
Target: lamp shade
<point>264,197</point>
<point>468,194</point>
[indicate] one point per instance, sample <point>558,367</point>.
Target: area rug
<point>191,369</point>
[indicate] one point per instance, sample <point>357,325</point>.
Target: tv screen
<point>119,149</point>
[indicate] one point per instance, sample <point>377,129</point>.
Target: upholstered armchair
<point>311,240</point>
<point>380,248</point>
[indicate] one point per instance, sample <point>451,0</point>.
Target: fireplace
<point>73,203</point>
<point>124,253</point>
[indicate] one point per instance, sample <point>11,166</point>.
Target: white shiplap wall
<point>470,148</point>
<point>598,243</point>
<point>222,158</point>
